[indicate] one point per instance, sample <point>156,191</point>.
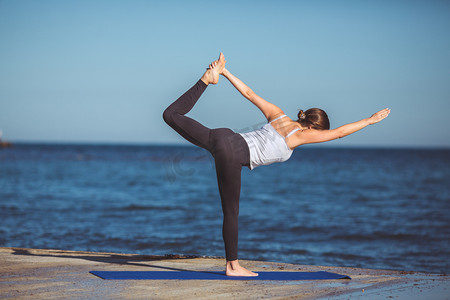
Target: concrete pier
<point>59,274</point>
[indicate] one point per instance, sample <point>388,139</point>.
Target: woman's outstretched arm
<point>319,136</point>
<point>270,111</point>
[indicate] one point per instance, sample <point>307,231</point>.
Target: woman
<point>274,142</point>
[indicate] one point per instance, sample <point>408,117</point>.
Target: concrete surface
<point>59,274</point>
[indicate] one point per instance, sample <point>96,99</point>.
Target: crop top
<point>267,146</point>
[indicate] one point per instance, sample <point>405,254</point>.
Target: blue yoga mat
<point>192,275</point>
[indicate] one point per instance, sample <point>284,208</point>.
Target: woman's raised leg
<point>188,128</point>
<point>175,117</point>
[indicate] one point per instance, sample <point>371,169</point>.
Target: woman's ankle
<point>204,79</point>
<point>233,263</point>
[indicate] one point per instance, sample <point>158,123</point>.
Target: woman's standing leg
<point>228,171</point>
<point>230,153</point>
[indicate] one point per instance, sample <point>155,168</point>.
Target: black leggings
<point>230,152</point>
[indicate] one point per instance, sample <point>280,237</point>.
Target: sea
<point>377,208</point>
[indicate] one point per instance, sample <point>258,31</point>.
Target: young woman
<point>274,142</point>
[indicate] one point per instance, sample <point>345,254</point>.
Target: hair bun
<point>301,115</point>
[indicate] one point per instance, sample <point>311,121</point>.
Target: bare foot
<point>218,65</point>
<point>234,269</point>
<point>210,77</point>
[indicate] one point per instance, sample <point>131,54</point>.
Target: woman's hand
<point>378,116</point>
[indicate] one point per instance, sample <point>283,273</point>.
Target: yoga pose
<point>274,142</point>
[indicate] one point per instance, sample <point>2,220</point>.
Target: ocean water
<point>371,208</point>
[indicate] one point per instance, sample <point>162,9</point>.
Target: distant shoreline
<point>152,145</point>
<point>4,144</point>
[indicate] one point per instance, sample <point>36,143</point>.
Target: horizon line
<point>168,144</point>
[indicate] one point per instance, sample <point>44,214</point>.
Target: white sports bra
<point>267,146</point>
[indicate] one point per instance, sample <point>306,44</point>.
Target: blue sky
<point>103,71</point>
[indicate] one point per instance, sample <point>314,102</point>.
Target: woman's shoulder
<point>278,116</point>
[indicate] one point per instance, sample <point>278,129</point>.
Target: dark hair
<point>314,118</point>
